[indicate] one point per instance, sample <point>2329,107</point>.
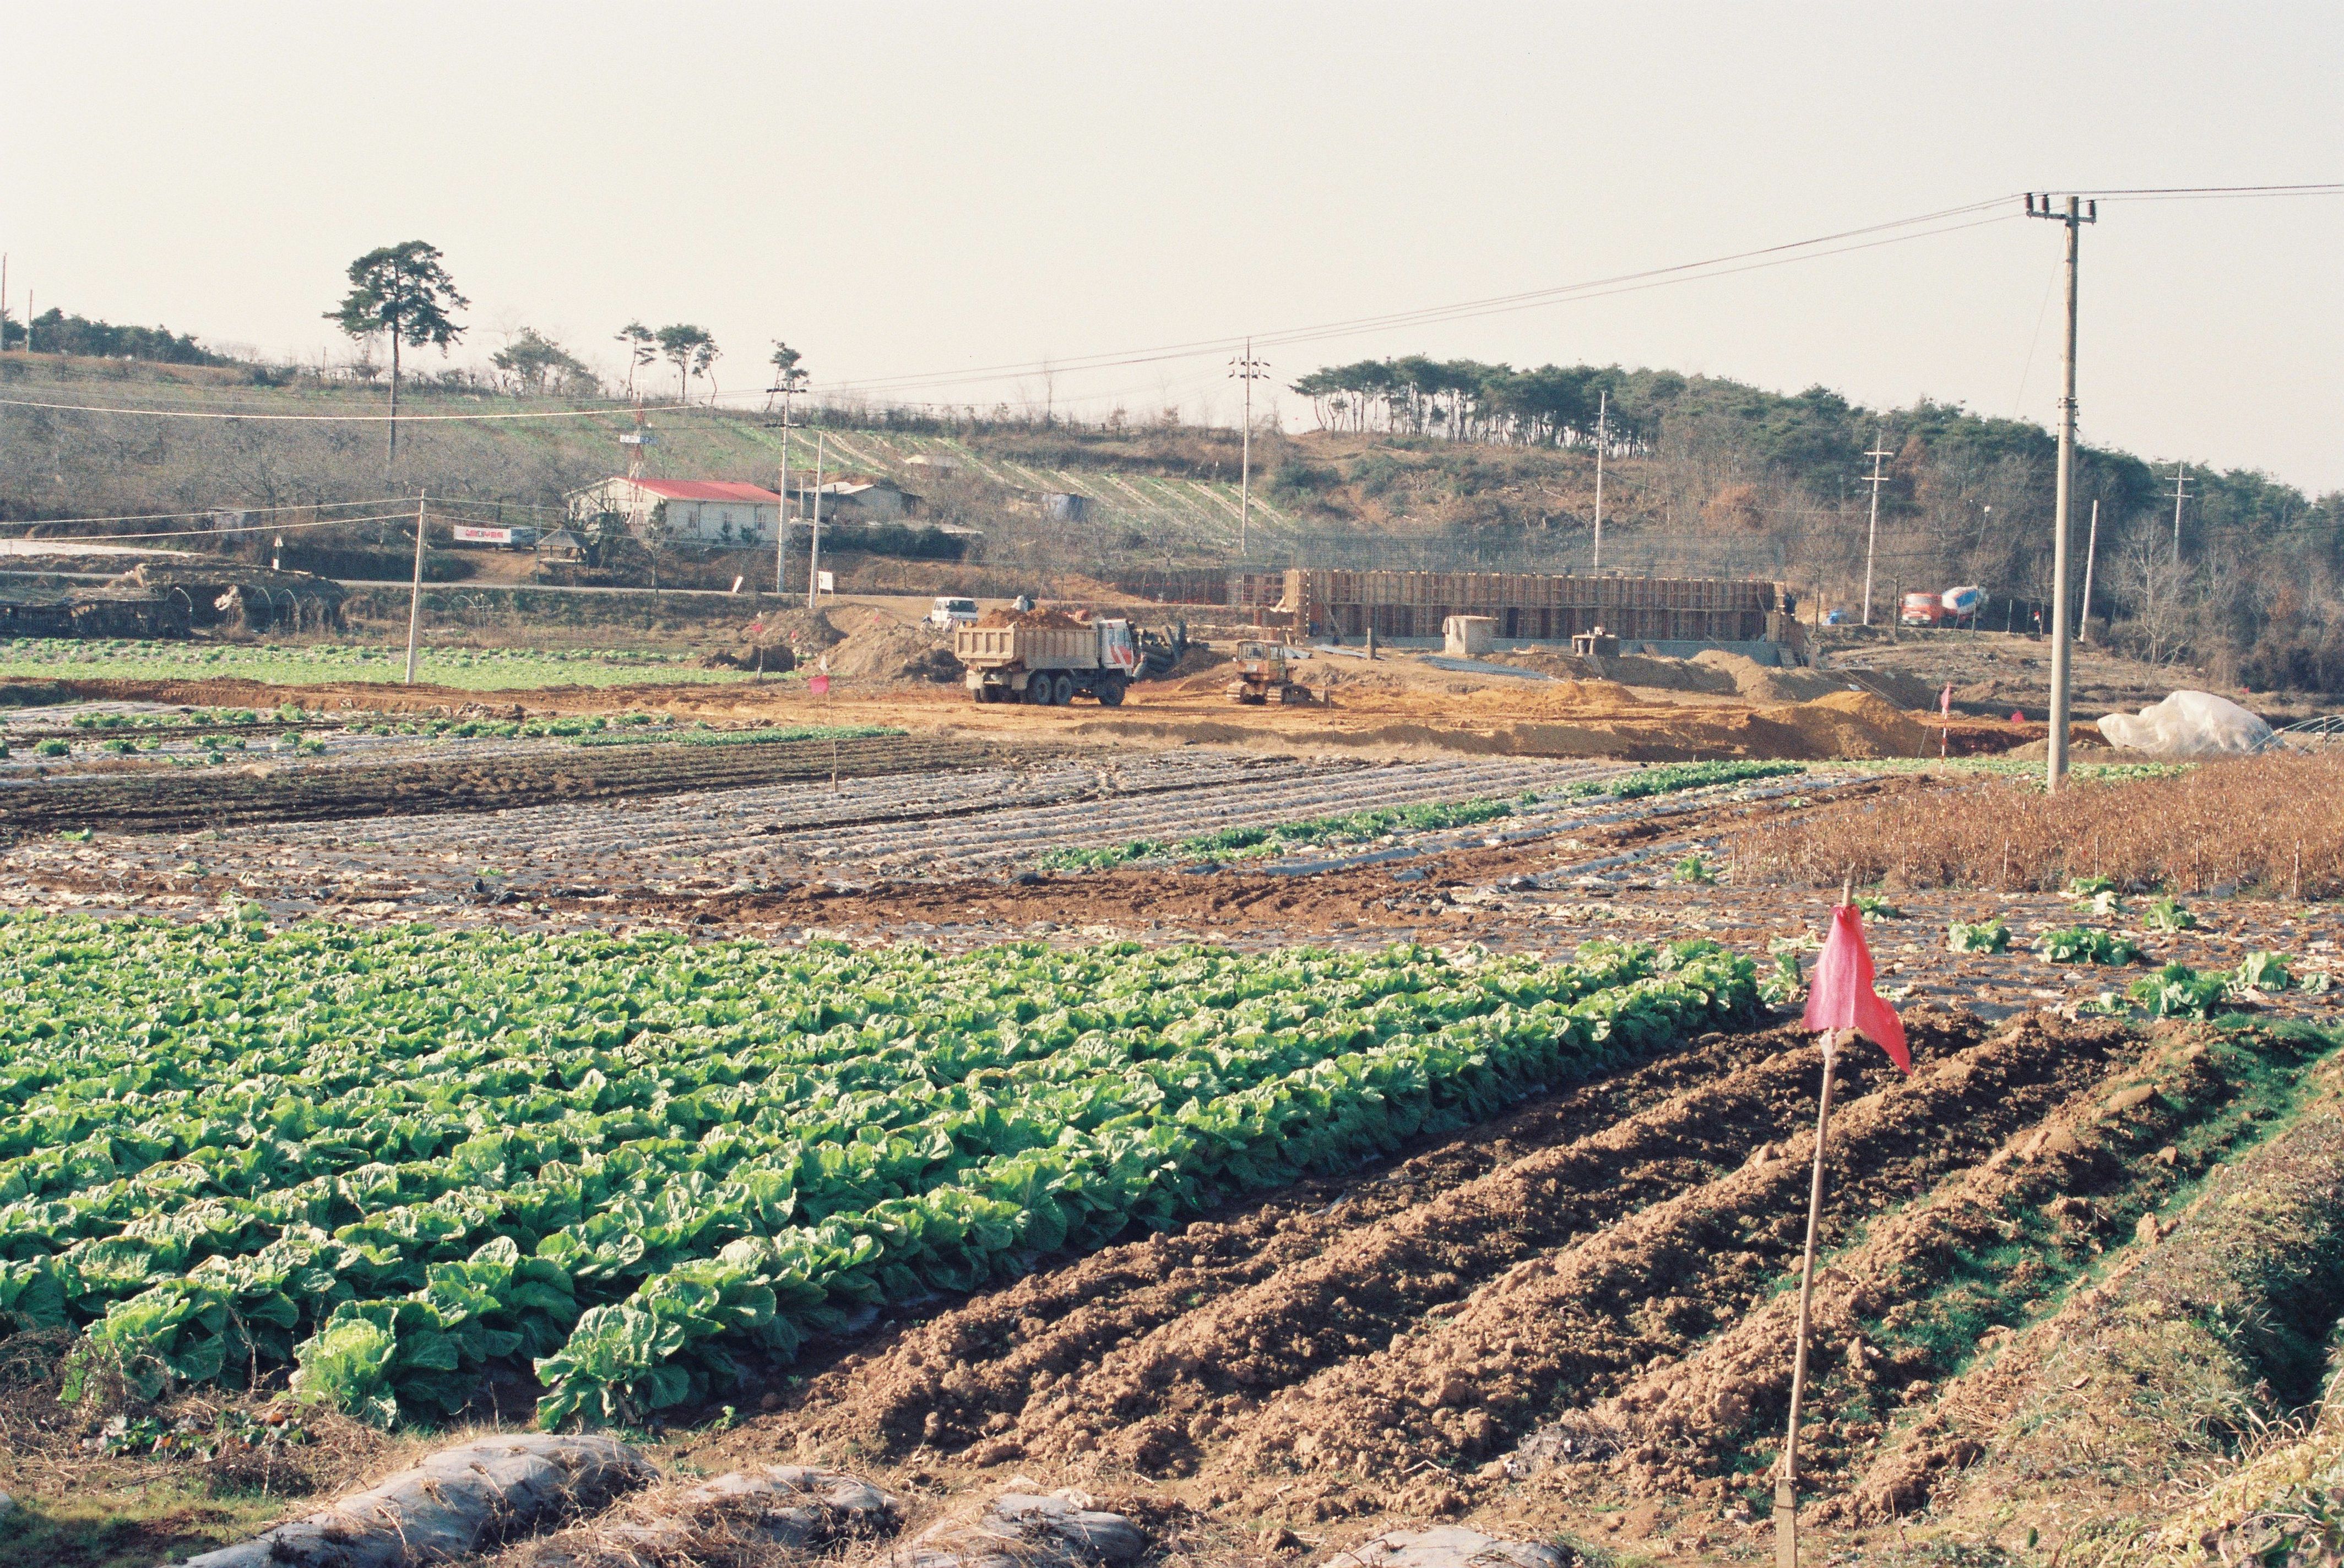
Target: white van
<point>948,613</point>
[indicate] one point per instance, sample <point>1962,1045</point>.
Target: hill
<point>1417,464</point>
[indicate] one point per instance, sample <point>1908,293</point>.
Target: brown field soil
<point>151,800</point>
<point>1567,1323</point>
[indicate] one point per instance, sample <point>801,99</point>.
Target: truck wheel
<point>1110,692</point>
<point>1062,691</point>
<point>1037,690</point>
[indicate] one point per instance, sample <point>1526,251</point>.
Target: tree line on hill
<point>1715,474</point>
<point>52,331</point>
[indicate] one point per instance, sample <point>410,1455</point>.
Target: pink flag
<point>1841,996</point>
<point>818,685</point>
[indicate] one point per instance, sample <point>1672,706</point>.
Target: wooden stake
<point>1786,1484</point>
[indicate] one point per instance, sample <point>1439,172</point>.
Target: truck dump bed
<point>1030,647</point>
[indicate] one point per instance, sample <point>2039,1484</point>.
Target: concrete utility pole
<point>2091,554</point>
<point>782,514</point>
<point>2181,486</point>
<point>415,594</point>
<point>1248,371</point>
<point>2075,217</point>
<point>813,544</point>
<point>1872,535</point>
<point>1602,423</point>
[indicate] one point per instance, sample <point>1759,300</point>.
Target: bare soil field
<point>1566,1325</point>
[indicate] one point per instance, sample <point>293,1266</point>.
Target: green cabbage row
<point>398,1158</point>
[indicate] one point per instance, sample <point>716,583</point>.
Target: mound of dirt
<point>778,640</point>
<point>877,646</point>
<point>1651,671</point>
<point>998,618</point>
<point>1848,724</point>
<point>807,631</point>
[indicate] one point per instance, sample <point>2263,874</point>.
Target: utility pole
<point>415,594</point>
<point>2091,554</point>
<point>1248,371</point>
<point>1603,421</point>
<point>2075,217</point>
<point>1872,535</point>
<point>2181,486</point>
<point>782,514</point>
<point>813,545</point>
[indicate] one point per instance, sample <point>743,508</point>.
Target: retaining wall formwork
<point>1530,606</point>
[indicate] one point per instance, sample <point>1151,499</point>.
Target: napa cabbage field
<point>391,1163</point>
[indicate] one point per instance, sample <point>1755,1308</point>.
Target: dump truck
<point>1048,664</point>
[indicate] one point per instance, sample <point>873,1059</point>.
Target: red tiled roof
<point>705,489</point>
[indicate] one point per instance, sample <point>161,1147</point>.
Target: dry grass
<point>2271,825</point>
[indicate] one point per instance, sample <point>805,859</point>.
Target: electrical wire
<point>1921,226</point>
<point>614,409</point>
<point>214,533</point>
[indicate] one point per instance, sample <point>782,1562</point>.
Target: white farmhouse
<point>693,510</point>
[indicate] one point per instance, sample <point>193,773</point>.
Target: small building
<point>1061,507</point>
<point>701,511</point>
<point>865,501</point>
<point>562,544</point>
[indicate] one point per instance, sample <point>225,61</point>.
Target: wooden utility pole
<point>2075,216</point>
<point>2091,554</point>
<point>1602,423</point>
<point>415,593</point>
<point>1871,535</point>
<point>2181,488</point>
<point>1247,369</point>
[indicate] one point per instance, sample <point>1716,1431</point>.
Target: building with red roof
<point>704,512</point>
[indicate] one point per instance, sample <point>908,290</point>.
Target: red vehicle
<point>1921,609</point>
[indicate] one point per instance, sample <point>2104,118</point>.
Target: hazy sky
<point>917,190</point>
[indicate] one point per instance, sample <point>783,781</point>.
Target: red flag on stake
<point>1841,1005</point>
<point>1841,996</point>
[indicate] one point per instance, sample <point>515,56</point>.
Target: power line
<point>336,418</point>
<point>1921,226</point>
<point>206,512</point>
<point>214,533</point>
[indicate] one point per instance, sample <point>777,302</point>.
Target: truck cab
<point>949,612</point>
<point>1921,609</point>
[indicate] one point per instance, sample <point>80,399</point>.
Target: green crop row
<point>1276,838</point>
<point>470,669</point>
<point>1366,826</point>
<point>1667,778</point>
<point>393,1160</point>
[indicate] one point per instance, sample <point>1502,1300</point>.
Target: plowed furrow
<point>1885,1326</point>
<point>1152,1400</point>
<point>973,1370</point>
<point>1571,1325</point>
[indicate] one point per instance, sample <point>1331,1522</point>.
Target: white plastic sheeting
<point>2187,725</point>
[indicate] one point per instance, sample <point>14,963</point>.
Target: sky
<point>932,202</point>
